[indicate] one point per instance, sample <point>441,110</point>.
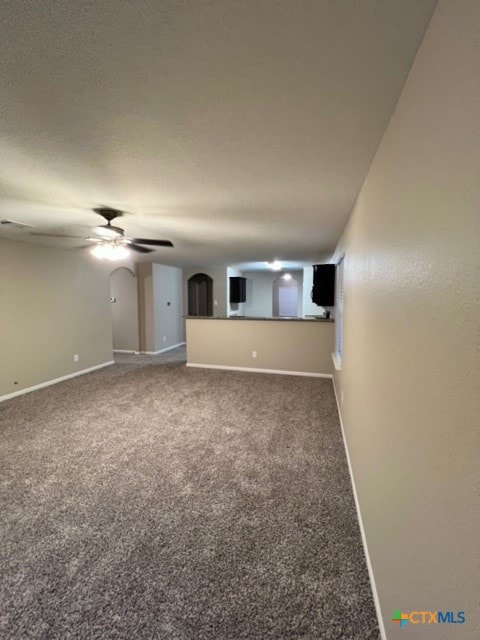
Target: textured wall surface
<point>53,304</point>
<point>228,127</point>
<point>124,290</point>
<point>158,286</point>
<point>146,311</point>
<point>168,306</point>
<point>410,365</point>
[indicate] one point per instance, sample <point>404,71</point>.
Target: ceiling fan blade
<point>154,243</point>
<point>52,235</point>
<point>138,248</point>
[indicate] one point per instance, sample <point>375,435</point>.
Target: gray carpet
<point>152,501</point>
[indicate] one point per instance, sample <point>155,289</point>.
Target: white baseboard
<point>376,599</point>
<point>50,382</point>
<point>280,372</point>
<point>131,351</point>
<point>155,353</point>
<point>337,361</point>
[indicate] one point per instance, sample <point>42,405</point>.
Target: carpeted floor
<point>151,501</point>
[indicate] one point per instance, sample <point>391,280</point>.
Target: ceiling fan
<point>110,241</point>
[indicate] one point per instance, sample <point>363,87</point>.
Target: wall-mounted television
<point>323,292</point>
<point>238,289</point>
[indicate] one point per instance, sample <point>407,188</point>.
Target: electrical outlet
<point>254,354</point>
<point>75,357</point>
<point>215,303</point>
<point>164,338</point>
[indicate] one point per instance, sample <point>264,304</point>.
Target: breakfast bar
<point>292,346</point>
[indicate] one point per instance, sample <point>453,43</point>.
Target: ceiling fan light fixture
<point>108,231</point>
<point>109,251</point>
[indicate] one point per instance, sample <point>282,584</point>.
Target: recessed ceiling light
<point>287,276</point>
<point>276,265</point>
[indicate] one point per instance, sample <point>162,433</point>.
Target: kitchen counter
<point>311,319</point>
<point>294,346</point>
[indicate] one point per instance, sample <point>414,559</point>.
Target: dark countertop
<point>313,319</point>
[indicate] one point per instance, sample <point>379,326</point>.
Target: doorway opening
<point>200,295</point>
<point>285,297</point>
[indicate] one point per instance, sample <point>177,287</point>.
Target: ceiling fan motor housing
<point>108,213</point>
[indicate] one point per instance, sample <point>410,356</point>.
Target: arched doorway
<point>200,295</point>
<point>285,297</point>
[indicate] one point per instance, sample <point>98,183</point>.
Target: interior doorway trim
<point>200,295</point>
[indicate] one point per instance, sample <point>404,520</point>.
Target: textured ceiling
<point>240,130</point>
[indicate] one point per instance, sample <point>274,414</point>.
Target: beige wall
<point>158,286</point>
<point>280,344</point>
<point>168,306</point>
<point>53,304</point>
<point>259,293</point>
<point>146,317</point>
<point>123,290</point>
<point>410,366</point>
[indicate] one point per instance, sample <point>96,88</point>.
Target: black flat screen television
<point>323,292</point>
<point>238,289</point>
